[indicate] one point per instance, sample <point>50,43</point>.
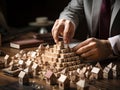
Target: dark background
<point>20,12</point>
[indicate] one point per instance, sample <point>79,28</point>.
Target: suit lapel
<point>95,15</point>
<point>114,13</point>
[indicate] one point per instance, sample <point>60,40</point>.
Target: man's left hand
<point>93,49</point>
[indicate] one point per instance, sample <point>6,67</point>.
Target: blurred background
<point>20,12</point>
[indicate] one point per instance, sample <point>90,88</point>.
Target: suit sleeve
<point>73,11</point>
<point>115,43</point>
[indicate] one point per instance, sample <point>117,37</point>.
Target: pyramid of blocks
<point>60,56</point>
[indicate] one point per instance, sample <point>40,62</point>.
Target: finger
<point>90,53</point>
<point>92,57</point>
<point>58,29</point>
<point>54,31</point>
<point>58,32</point>
<point>80,45</point>
<point>53,28</point>
<point>71,32</point>
<point>86,48</point>
<point>84,43</point>
<point>66,33</point>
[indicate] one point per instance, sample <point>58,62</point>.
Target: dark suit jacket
<point>77,9</point>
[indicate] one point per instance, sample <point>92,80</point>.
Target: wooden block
<point>59,68</point>
<point>56,55</point>
<point>22,52</point>
<point>64,50</point>
<point>6,57</point>
<point>28,53</point>
<point>64,59</point>
<point>55,47</point>
<point>20,62</point>
<point>28,62</point>
<point>78,62</point>
<point>59,65</point>
<point>47,47</point>
<point>50,50</point>
<point>41,47</point>
<point>60,44</point>
<point>73,63</point>
<point>34,66</point>
<point>57,51</point>
<point>59,47</point>
<point>24,57</point>
<point>18,55</point>
<point>61,60</point>
<point>71,68</point>
<point>72,58</point>
<point>63,56</point>
<point>70,63</point>
<point>64,64</point>
<point>55,60</point>
<point>69,59</point>
<point>84,69</point>
<point>33,54</point>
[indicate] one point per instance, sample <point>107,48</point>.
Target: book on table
<point>26,43</point>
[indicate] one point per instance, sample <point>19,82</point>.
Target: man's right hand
<point>64,28</point>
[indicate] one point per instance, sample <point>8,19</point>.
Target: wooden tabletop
<point>11,83</point>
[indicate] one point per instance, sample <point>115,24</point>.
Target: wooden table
<point>11,83</point>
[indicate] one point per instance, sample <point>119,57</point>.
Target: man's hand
<point>93,49</point>
<point>64,28</point>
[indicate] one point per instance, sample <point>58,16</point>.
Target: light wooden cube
<point>64,64</point>
<point>63,55</point>
<point>60,60</point>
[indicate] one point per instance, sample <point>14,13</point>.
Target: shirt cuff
<point>114,41</point>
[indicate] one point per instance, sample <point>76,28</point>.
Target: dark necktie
<point>104,19</point>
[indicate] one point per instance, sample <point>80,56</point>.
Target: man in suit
<point>95,47</point>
